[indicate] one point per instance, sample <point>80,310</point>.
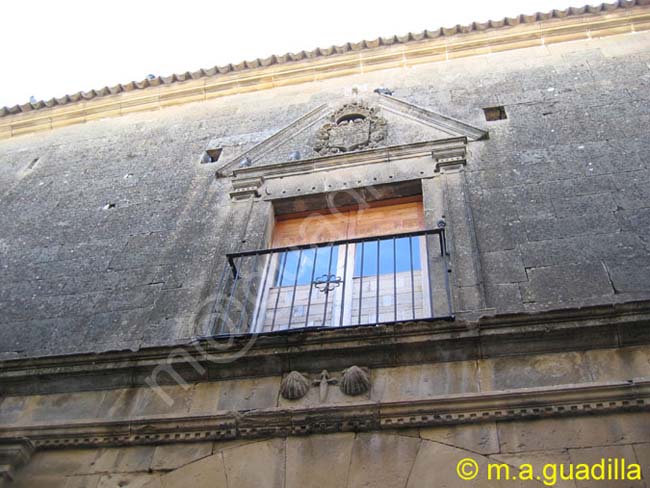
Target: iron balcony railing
<point>363,281</point>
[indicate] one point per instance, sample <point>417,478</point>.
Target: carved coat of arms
<point>352,127</point>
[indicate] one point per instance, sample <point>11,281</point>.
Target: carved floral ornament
<point>353,381</point>
<point>352,127</point>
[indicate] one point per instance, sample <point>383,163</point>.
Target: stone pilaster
<point>13,454</point>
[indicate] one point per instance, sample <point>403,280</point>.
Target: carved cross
<point>323,383</point>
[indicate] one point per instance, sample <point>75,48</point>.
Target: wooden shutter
<point>380,218</point>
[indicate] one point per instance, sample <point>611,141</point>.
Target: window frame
<point>342,298</point>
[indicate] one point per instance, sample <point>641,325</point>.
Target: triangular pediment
<point>354,125</point>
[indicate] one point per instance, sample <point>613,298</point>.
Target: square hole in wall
<point>211,155</point>
<point>495,113</point>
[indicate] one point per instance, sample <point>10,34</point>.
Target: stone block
<point>634,220</point>
<point>642,453</point>
<point>52,481</point>
<point>118,403</point>
<point>478,438</point>
<point>557,284</point>
<point>205,397</point>
<point>65,407</point>
<point>12,409</point>
<point>162,401</point>
<point>584,204</point>
<point>594,455</point>
<point>268,458</point>
<point>533,371</point>
<point>174,303</point>
<point>382,460</point>
<point>117,329</point>
<point>139,297</point>
<point>624,245</point>
<point>168,457</point>
<point>618,364</point>
<point>629,275</point>
<point>122,459</point>
<point>318,461</point>
<point>83,481</point>
<point>505,297</point>
<point>424,381</point>
<point>58,463</point>
<point>219,446</point>
<point>155,482</point>
<point>576,432</point>
<point>503,267</point>
<point>130,480</point>
<point>249,394</point>
<point>544,229</point>
<point>539,460</point>
<point>498,236</point>
<point>435,465</point>
<point>205,473</point>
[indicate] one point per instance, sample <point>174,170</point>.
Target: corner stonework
<point>13,454</point>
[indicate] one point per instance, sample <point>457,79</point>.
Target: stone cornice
<point>477,39</point>
<point>351,159</point>
<point>524,403</point>
<point>455,130</point>
<point>598,327</point>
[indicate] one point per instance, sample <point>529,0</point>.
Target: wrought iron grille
<point>363,281</point>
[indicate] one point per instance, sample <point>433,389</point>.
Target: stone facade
<point>115,233</point>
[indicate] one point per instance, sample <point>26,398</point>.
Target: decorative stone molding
<point>294,386</point>
<point>13,454</point>
<point>352,127</point>
<point>245,188</point>
<point>525,403</point>
<point>450,154</point>
<point>344,160</point>
<point>355,381</point>
<point>441,122</point>
<point>260,150</point>
<point>323,382</point>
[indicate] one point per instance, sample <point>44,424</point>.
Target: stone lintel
<point>345,160</point>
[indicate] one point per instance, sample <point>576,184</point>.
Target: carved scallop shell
<point>294,386</point>
<point>355,381</point>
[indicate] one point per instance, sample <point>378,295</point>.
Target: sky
<point>52,48</point>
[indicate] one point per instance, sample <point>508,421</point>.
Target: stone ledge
<point>524,403</point>
<point>597,327</point>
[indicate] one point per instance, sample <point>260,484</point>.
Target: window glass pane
<point>299,264</point>
<point>389,262</point>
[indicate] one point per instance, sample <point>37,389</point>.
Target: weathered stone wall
<point>388,385</point>
<point>111,229</point>
<point>408,458</point>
